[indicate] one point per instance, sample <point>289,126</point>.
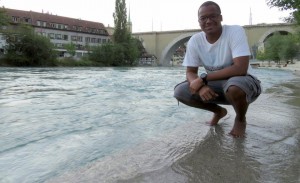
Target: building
<point>61,30</point>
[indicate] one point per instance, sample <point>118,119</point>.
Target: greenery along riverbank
<point>25,47</point>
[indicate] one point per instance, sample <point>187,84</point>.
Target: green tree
<point>126,47</point>
<point>124,50</point>
<point>104,55</point>
<point>71,48</point>
<point>4,20</point>
<point>121,33</point>
<point>272,48</point>
<point>280,47</point>
<point>26,48</point>
<point>289,48</point>
<point>293,5</point>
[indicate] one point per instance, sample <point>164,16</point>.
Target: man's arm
<point>195,82</point>
<point>191,73</point>
<point>238,68</point>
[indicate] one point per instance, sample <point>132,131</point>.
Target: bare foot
<point>239,129</point>
<point>217,116</point>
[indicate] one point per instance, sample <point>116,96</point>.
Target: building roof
<point>49,18</point>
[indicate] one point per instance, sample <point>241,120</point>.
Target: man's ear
<point>221,18</point>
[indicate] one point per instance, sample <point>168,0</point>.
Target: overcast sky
<point>153,15</point>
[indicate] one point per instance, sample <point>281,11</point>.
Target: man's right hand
<point>195,85</point>
<point>207,94</point>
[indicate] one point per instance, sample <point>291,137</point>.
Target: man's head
<point>210,18</point>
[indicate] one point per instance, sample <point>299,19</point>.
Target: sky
<point>153,15</point>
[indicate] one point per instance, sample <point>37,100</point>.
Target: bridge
<point>164,44</point>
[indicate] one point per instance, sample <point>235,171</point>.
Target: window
<point>66,37</point>
<point>44,24</point>
<point>38,23</point>
<point>15,19</point>
<point>51,35</point>
<point>57,36</point>
<point>52,25</point>
<point>88,39</point>
<point>93,40</point>
<point>27,20</point>
<point>44,34</point>
<point>73,38</point>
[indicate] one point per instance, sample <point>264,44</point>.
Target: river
<point>123,125</point>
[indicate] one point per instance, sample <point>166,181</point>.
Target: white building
<point>61,30</point>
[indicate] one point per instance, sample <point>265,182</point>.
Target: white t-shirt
<point>231,44</point>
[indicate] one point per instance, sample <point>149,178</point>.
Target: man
<point>224,53</point>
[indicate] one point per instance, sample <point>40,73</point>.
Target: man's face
<point>210,19</point>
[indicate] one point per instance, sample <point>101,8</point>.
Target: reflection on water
<point>123,125</point>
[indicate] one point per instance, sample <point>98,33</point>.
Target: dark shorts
<point>249,84</point>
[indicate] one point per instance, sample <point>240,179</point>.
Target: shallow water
<point>123,125</point>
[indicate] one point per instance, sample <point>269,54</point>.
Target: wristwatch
<point>203,76</point>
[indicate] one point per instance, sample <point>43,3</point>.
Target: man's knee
<point>181,92</point>
<point>235,93</point>
<point>178,92</point>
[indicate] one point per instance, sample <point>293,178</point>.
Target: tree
<point>4,20</point>
<point>125,47</point>
<point>71,49</point>
<point>293,5</point>
<point>26,48</point>
<point>272,48</point>
<point>124,50</point>
<point>280,47</point>
<point>289,48</point>
<point>121,33</point>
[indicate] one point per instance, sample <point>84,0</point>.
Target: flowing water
<point>123,125</point>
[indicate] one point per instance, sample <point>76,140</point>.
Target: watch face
<point>203,75</point>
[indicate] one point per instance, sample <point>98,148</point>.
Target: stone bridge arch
<point>169,50</point>
<point>269,33</point>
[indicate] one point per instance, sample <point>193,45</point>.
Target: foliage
<point>261,55</point>
<point>4,20</point>
<point>121,33</point>
<point>71,48</point>
<point>124,50</point>
<point>116,54</point>
<point>280,47</point>
<point>71,62</point>
<point>293,5</point>
<point>272,48</point>
<point>26,48</point>
<point>289,48</point>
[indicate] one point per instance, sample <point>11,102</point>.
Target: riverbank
<point>295,67</point>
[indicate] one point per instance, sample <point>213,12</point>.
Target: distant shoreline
<point>295,67</point>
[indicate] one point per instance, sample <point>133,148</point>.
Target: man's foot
<point>239,129</point>
<point>217,116</point>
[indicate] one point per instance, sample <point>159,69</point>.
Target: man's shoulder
<point>197,36</point>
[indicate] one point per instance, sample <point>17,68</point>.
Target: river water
<point>123,125</point>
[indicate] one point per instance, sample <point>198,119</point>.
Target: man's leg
<point>237,97</point>
<point>182,94</point>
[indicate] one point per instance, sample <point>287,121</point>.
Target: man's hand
<point>207,94</point>
<point>195,85</point>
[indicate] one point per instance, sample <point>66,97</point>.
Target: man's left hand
<point>207,94</point>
